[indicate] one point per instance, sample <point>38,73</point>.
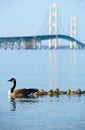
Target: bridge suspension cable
<point>61,27</point>
<point>42,30</point>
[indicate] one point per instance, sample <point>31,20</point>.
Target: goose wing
<point>25,92</point>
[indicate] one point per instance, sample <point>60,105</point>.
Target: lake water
<point>43,69</point>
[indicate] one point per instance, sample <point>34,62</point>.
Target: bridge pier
<point>55,43</point>
<point>5,45</point>
<point>39,45</point>
<point>25,45</point>
<point>50,44</point>
<point>17,45</point>
<point>34,44</point>
<point>29,44</point>
<point>11,45</point>
<point>71,45</point>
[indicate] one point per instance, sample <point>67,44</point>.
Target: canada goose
<point>20,93</point>
<point>68,91</point>
<point>41,92</point>
<point>82,92</point>
<point>62,92</point>
<point>79,91</point>
<point>57,91</point>
<point>51,92</point>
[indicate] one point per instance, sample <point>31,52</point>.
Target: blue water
<point>46,69</point>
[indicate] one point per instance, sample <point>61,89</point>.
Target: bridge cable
<point>43,25</point>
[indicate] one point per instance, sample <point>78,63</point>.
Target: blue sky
<point>30,17</point>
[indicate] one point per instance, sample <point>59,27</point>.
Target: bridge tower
<point>73,32</point>
<point>53,20</point>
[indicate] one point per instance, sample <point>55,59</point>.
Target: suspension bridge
<point>33,41</point>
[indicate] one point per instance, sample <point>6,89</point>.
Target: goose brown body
<point>20,93</point>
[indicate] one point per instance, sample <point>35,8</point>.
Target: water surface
<point>47,69</point>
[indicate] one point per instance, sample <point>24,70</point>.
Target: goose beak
<point>9,80</point>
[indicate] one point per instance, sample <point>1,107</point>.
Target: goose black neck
<point>14,85</point>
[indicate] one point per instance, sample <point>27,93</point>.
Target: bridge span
<point>31,41</point>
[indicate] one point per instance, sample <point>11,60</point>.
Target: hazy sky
<point>29,17</point>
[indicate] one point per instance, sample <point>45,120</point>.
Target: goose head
<point>14,84</point>
<point>12,80</point>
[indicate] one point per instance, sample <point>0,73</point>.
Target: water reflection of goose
<point>20,93</point>
<point>14,102</point>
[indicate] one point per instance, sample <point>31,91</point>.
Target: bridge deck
<point>38,38</point>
